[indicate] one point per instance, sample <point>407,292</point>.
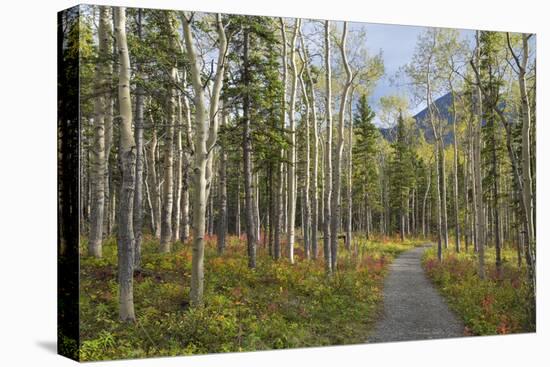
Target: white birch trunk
<point>328,154</point>
<point>337,174</point>
<point>292,153</point>
<point>127,155</point>
<point>205,138</point>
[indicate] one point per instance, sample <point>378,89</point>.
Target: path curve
<point>413,309</point>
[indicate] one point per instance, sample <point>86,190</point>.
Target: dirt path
<point>413,309</point>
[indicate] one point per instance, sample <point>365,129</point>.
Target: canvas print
<point>239,183</point>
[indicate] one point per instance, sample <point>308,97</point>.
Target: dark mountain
<point>442,107</point>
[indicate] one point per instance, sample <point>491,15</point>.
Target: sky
<point>397,43</point>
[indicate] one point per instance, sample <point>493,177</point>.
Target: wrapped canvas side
<point>68,141</point>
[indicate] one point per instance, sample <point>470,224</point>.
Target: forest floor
<point>413,308</point>
<point>498,304</point>
<point>277,305</point>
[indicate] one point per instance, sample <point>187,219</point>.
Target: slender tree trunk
<point>205,139</point>
<point>528,199</point>
<point>257,218</point>
<point>127,159</point>
<point>168,188</point>
<point>186,158</point>
<point>153,183</point>
<point>429,181</point>
<point>211,214</point>
<point>108,123</point>
<point>455,174</point>
<point>247,153</point>
<point>292,152</point>
<point>97,174</point>
<point>306,224</point>
<point>238,210</point>
<point>443,177</point>
<point>178,181</point>
<point>314,209</point>
<point>350,174</point>
<point>438,159</point>
<point>466,194</point>
<point>496,216</point>
<point>280,179</point>
<point>480,215</point>
<point>337,174</point>
<point>138,195</point>
<point>222,221</point>
<point>328,154</point>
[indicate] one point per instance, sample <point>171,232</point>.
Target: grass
<point>277,305</point>
<point>495,305</point>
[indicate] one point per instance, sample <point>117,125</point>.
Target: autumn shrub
<point>277,305</point>
<point>495,305</point>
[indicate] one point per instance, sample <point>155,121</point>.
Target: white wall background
<point>28,182</point>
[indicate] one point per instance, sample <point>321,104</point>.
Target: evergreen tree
<point>401,173</point>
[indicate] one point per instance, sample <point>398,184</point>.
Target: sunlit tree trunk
<point>443,176</point>
<point>280,179</point>
<point>238,210</point>
<point>138,195</point>
<point>328,153</point>
<point>337,174</point>
<point>204,139</point>
<point>222,221</point>
<point>466,178</point>
<point>108,122</point>
<point>247,156</point>
<point>186,158</point>
<point>306,223</point>
<point>153,182</point>
<point>426,193</point>
<point>455,173</point>
<point>350,174</point>
<point>480,210</point>
<point>526,179</point>
<point>526,162</point>
<point>315,174</point>
<point>168,185</point>
<point>97,174</point>
<point>178,176</point>
<point>292,152</point>
<point>127,161</point>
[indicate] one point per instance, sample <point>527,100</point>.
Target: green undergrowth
<point>495,305</point>
<point>277,305</point>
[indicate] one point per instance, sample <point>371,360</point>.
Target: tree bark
<point>168,186</point>
<point>280,179</point>
<point>205,138</point>
<point>178,176</point>
<point>480,210</point>
<point>306,223</point>
<point>222,221</point>
<point>328,154</point>
<point>292,152</point>
<point>350,174</point>
<point>153,183</point>
<point>97,174</point>
<point>455,173</point>
<point>337,174</point>
<point>138,195</point>
<point>186,158</point>
<point>247,156</point>
<point>314,183</point>
<point>127,156</point>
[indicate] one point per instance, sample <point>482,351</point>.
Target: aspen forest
<point>247,182</point>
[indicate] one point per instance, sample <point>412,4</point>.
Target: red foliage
<point>487,303</point>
